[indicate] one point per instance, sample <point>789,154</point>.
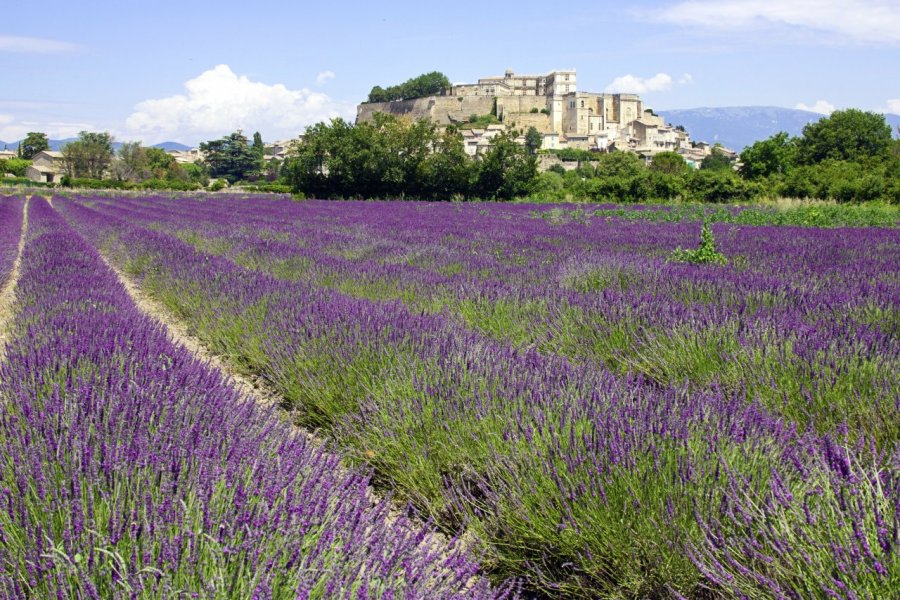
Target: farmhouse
<point>46,167</point>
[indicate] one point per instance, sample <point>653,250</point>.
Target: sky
<point>191,71</point>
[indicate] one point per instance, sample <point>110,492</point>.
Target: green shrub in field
<point>704,254</point>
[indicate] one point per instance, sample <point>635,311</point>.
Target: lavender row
<point>808,322</point>
<point>582,482</point>
<point>131,469</point>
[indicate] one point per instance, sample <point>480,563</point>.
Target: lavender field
<point>578,415</point>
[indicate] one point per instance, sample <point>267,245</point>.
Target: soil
<point>8,293</point>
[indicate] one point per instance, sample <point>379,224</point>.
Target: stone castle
<point>551,104</point>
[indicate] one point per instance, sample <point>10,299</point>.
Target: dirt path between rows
<point>8,294</point>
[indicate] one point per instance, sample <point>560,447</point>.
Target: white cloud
<point>324,76</point>
<point>868,21</point>
<point>821,106</point>
<point>32,45</point>
<point>685,79</point>
<point>893,106</point>
<point>629,84</point>
<point>218,101</point>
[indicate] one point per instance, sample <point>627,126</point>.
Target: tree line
<point>428,84</point>
<point>91,160</point>
<point>393,157</point>
<point>848,157</point>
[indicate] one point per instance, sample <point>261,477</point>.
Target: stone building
<point>551,104</point>
<point>555,83</point>
<point>46,167</point>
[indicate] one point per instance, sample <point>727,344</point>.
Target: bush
<point>16,166</point>
<point>272,188</point>
<point>719,186</point>
<point>94,184</point>
<point>842,181</point>
<point>169,184</point>
<point>23,181</point>
<point>704,254</point>
<point>574,154</point>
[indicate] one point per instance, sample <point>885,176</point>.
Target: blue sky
<point>191,71</point>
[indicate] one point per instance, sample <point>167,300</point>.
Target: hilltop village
<point>553,106</point>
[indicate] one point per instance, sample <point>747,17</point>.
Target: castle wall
<point>442,110</point>
<point>523,121</point>
<point>519,104</point>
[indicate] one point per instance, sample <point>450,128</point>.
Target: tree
<point>428,84</point>
<point>506,170</point>
<point>447,171</point>
<point>306,169</point>
<point>773,156</point>
<point>533,140</point>
<point>718,185</point>
<point>669,163</point>
<point>259,150</point>
<point>230,157</point>
<point>616,177</point>
<point>717,160</point>
<point>132,163</point>
<point>161,164</point>
<point>16,166</point>
<point>850,134</point>
<point>389,157</point>
<point>33,143</point>
<point>619,164</point>
<point>88,156</point>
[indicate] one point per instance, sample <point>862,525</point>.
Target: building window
<point>582,104</point>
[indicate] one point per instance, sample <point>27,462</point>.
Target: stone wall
<point>519,104</point>
<point>545,161</point>
<point>442,110</point>
<point>523,121</point>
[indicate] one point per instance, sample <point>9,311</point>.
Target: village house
<point>279,151</point>
<point>652,135</point>
<point>693,156</point>
<point>186,156</point>
<point>477,140</point>
<point>46,166</point>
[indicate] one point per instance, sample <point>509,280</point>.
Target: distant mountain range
<point>57,144</point>
<point>736,127</point>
